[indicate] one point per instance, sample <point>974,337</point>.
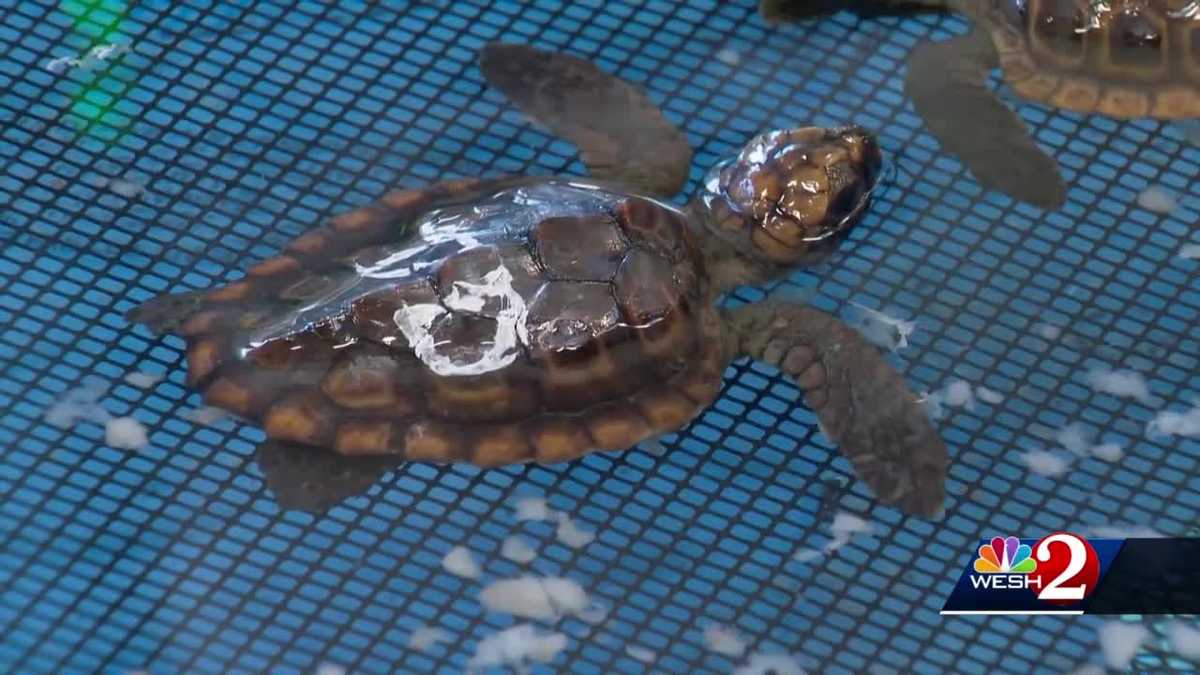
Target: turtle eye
<point>1135,41</point>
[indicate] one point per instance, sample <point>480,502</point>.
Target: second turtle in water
<point>538,319</point>
<point>1122,58</point>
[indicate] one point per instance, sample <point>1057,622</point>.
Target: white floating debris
<point>641,653</point>
<point>1074,437</point>
<point>1127,383</point>
<point>807,555</point>
<point>459,561</point>
<point>569,533</point>
<point>142,380</point>
<point>79,405</point>
<point>533,508</point>
<point>424,637</point>
<point>126,188</point>
<point>1173,423</point>
<point>1157,199</point>
<point>516,647</point>
<point>958,394</point>
<point>92,59</point>
<point>881,329</point>
<point>729,56</point>
<point>1184,640</point>
<point>1048,330</point>
<point>205,415</point>
<point>535,597</point>
<point>327,668</point>
<point>1190,252</point>
<point>125,433</point>
<point>515,549</point>
<point>1120,641</point>
<point>846,525</point>
<point>770,664</point>
<point>1045,463</point>
<point>990,396</point>
<point>1088,669</point>
<point>724,640</point>
<point>1109,452</point>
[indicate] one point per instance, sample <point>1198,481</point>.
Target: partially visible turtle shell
<point>493,322</point>
<point>1123,58</point>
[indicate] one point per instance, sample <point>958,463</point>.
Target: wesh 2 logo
<point>1059,568</point>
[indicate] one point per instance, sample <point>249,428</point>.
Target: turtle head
<point>790,196</point>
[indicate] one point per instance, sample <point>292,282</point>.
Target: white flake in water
<point>1045,463</point>
<point>729,56</point>
<point>327,668</point>
<point>1120,641</point>
<point>1128,383</point>
<point>79,405</point>
<point>1109,452</point>
<point>1074,437</point>
<point>205,415</point>
<point>424,637</point>
<point>125,433</point>
<point>459,561</point>
<point>515,549</point>
<point>724,640</point>
<point>846,525</point>
<point>1184,640</point>
<point>126,188</point>
<point>958,394</point>
<point>805,555</point>
<point>1048,330</point>
<point>882,329</point>
<point>1173,423</point>
<point>770,664</point>
<point>1190,252</point>
<point>570,534</point>
<point>990,396</point>
<point>1157,199</point>
<point>641,653</point>
<point>517,647</point>
<point>142,380</point>
<point>92,59</point>
<point>533,508</point>
<point>533,597</point>
<point>1089,669</point>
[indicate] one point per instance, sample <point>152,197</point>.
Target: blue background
<point>249,122</point>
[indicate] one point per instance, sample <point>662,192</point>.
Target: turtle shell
<point>492,322</point>
<point>1123,58</point>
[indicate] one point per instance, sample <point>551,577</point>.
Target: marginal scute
<point>364,437</point>
<point>559,439</point>
<point>500,444</point>
<point>432,442</point>
<point>272,266</point>
<point>617,426</point>
<point>665,409</point>
<point>585,248</point>
<point>364,378</point>
<point>489,397</point>
<point>204,356</point>
<point>237,290</point>
<point>304,417</point>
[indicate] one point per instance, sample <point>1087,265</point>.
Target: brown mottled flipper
<point>167,312</point>
<point>621,135</point>
<point>947,82</point>
<point>314,479</point>
<point>864,405</point>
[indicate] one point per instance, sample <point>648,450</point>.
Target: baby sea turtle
<point>508,320</point>
<point>1122,58</point>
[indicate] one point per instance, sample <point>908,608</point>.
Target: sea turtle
<point>1121,58</point>
<point>507,320</point>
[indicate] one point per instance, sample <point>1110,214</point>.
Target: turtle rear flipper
<point>315,479</point>
<point>947,82</point>
<point>621,135</point>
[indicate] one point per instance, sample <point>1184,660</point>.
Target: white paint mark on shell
<point>416,321</point>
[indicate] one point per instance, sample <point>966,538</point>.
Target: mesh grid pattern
<point>232,127</point>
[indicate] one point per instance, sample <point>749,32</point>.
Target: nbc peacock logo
<point>1005,563</point>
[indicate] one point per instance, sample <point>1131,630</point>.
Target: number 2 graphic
<point>1055,589</point>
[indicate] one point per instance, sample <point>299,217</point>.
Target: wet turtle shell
<point>1122,58</point>
<point>514,320</point>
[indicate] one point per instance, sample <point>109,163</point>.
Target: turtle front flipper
<point>314,479</point>
<point>621,135</point>
<point>863,404</point>
<point>947,82</point>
